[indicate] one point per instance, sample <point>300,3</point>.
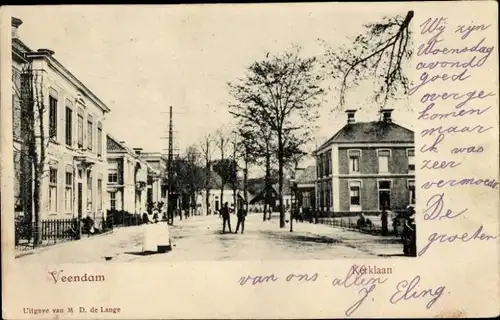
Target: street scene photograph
<point>211,133</point>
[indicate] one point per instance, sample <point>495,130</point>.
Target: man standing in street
<point>241,219</point>
<point>224,211</point>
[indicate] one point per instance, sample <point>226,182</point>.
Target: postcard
<point>250,161</point>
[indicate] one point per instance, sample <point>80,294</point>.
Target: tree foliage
<point>280,93</point>
<point>227,169</point>
<point>378,53</point>
<point>189,174</point>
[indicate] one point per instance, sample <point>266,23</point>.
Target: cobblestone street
<point>200,239</point>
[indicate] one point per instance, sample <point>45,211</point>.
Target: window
<point>384,194</point>
<point>411,160</point>
<point>89,190</point>
<point>383,161</point>
<point>68,195</point>
<point>354,193</point>
<point>112,200</point>
<point>80,128</point>
<point>99,194</point>
<point>328,160</point>
<point>354,156</point>
<point>69,129</point>
<point>318,167</point>
<point>99,139</point>
<point>53,190</point>
<point>411,188</point>
<point>90,131</point>
<point>52,117</point>
<point>113,172</point>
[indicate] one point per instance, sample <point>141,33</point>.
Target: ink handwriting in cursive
<point>465,237</point>
<point>408,290</point>
<point>435,209</point>
<point>358,280</point>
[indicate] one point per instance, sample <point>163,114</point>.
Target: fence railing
<point>353,224</point>
<point>50,232</point>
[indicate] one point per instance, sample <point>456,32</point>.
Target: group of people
<point>225,213</point>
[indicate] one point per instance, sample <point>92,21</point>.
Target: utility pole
<point>170,212</point>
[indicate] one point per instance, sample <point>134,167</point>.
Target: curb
<point>57,245</point>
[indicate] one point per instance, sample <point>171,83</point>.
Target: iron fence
<point>352,224</point>
<point>50,232</point>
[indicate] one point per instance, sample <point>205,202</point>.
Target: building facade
<point>130,180</point>
<point>156,186</point>
<point>306,188</point>
<point>72,119</point>
<point>366,166</point>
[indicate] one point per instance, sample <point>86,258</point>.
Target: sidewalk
<point>382,246</point>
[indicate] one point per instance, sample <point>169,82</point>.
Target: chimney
<point>15,23</point>
<point>386,115</point>
<point>350,116</point>
<point>122,142</point>
<point>138,151</point>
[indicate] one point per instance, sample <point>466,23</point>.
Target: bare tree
<point>222,141</point>
<point>378,53</point>
<point>35,140</point>
<point>282,92</point>
<point>207,147</point>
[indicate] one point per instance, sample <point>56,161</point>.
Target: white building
<point>74,131</point>
<point>131,181</point>
<point>215,199</point>
<point>157,189</point>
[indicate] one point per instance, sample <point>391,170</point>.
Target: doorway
<point>80,200</point>
<point>384,194</point>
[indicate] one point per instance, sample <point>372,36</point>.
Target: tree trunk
<point>222,180</point>
<point>280,179</point>
<point>245,182</point>
<point>267,182</point>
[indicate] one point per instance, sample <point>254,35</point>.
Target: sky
<point>142,59</point>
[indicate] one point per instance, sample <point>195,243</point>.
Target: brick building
<point>366,166</point>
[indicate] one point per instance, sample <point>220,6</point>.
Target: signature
<point>407,291</point>
<point>358,280</point>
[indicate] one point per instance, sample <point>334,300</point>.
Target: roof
<point>286,187</point>
<point>113,145</point>
<point>308,175</point>
<point>19,49</point>
<point>371,132</point>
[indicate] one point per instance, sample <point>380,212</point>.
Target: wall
<point>61,156</point>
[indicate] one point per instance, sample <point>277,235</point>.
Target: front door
<point>80,200</point>
<point>385,199</point>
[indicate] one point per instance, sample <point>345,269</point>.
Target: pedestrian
<point>242,213</point>
<point>225,213</point>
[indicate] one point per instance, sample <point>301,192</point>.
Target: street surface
<point>200,239</point>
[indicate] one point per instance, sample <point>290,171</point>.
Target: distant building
<point>130,178</point>
<point>157,186</point>
<point>261,195</point>
<point>73,122</point>
<point>306,188</point>
<point>215,201</point>
<point>366,166</point>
